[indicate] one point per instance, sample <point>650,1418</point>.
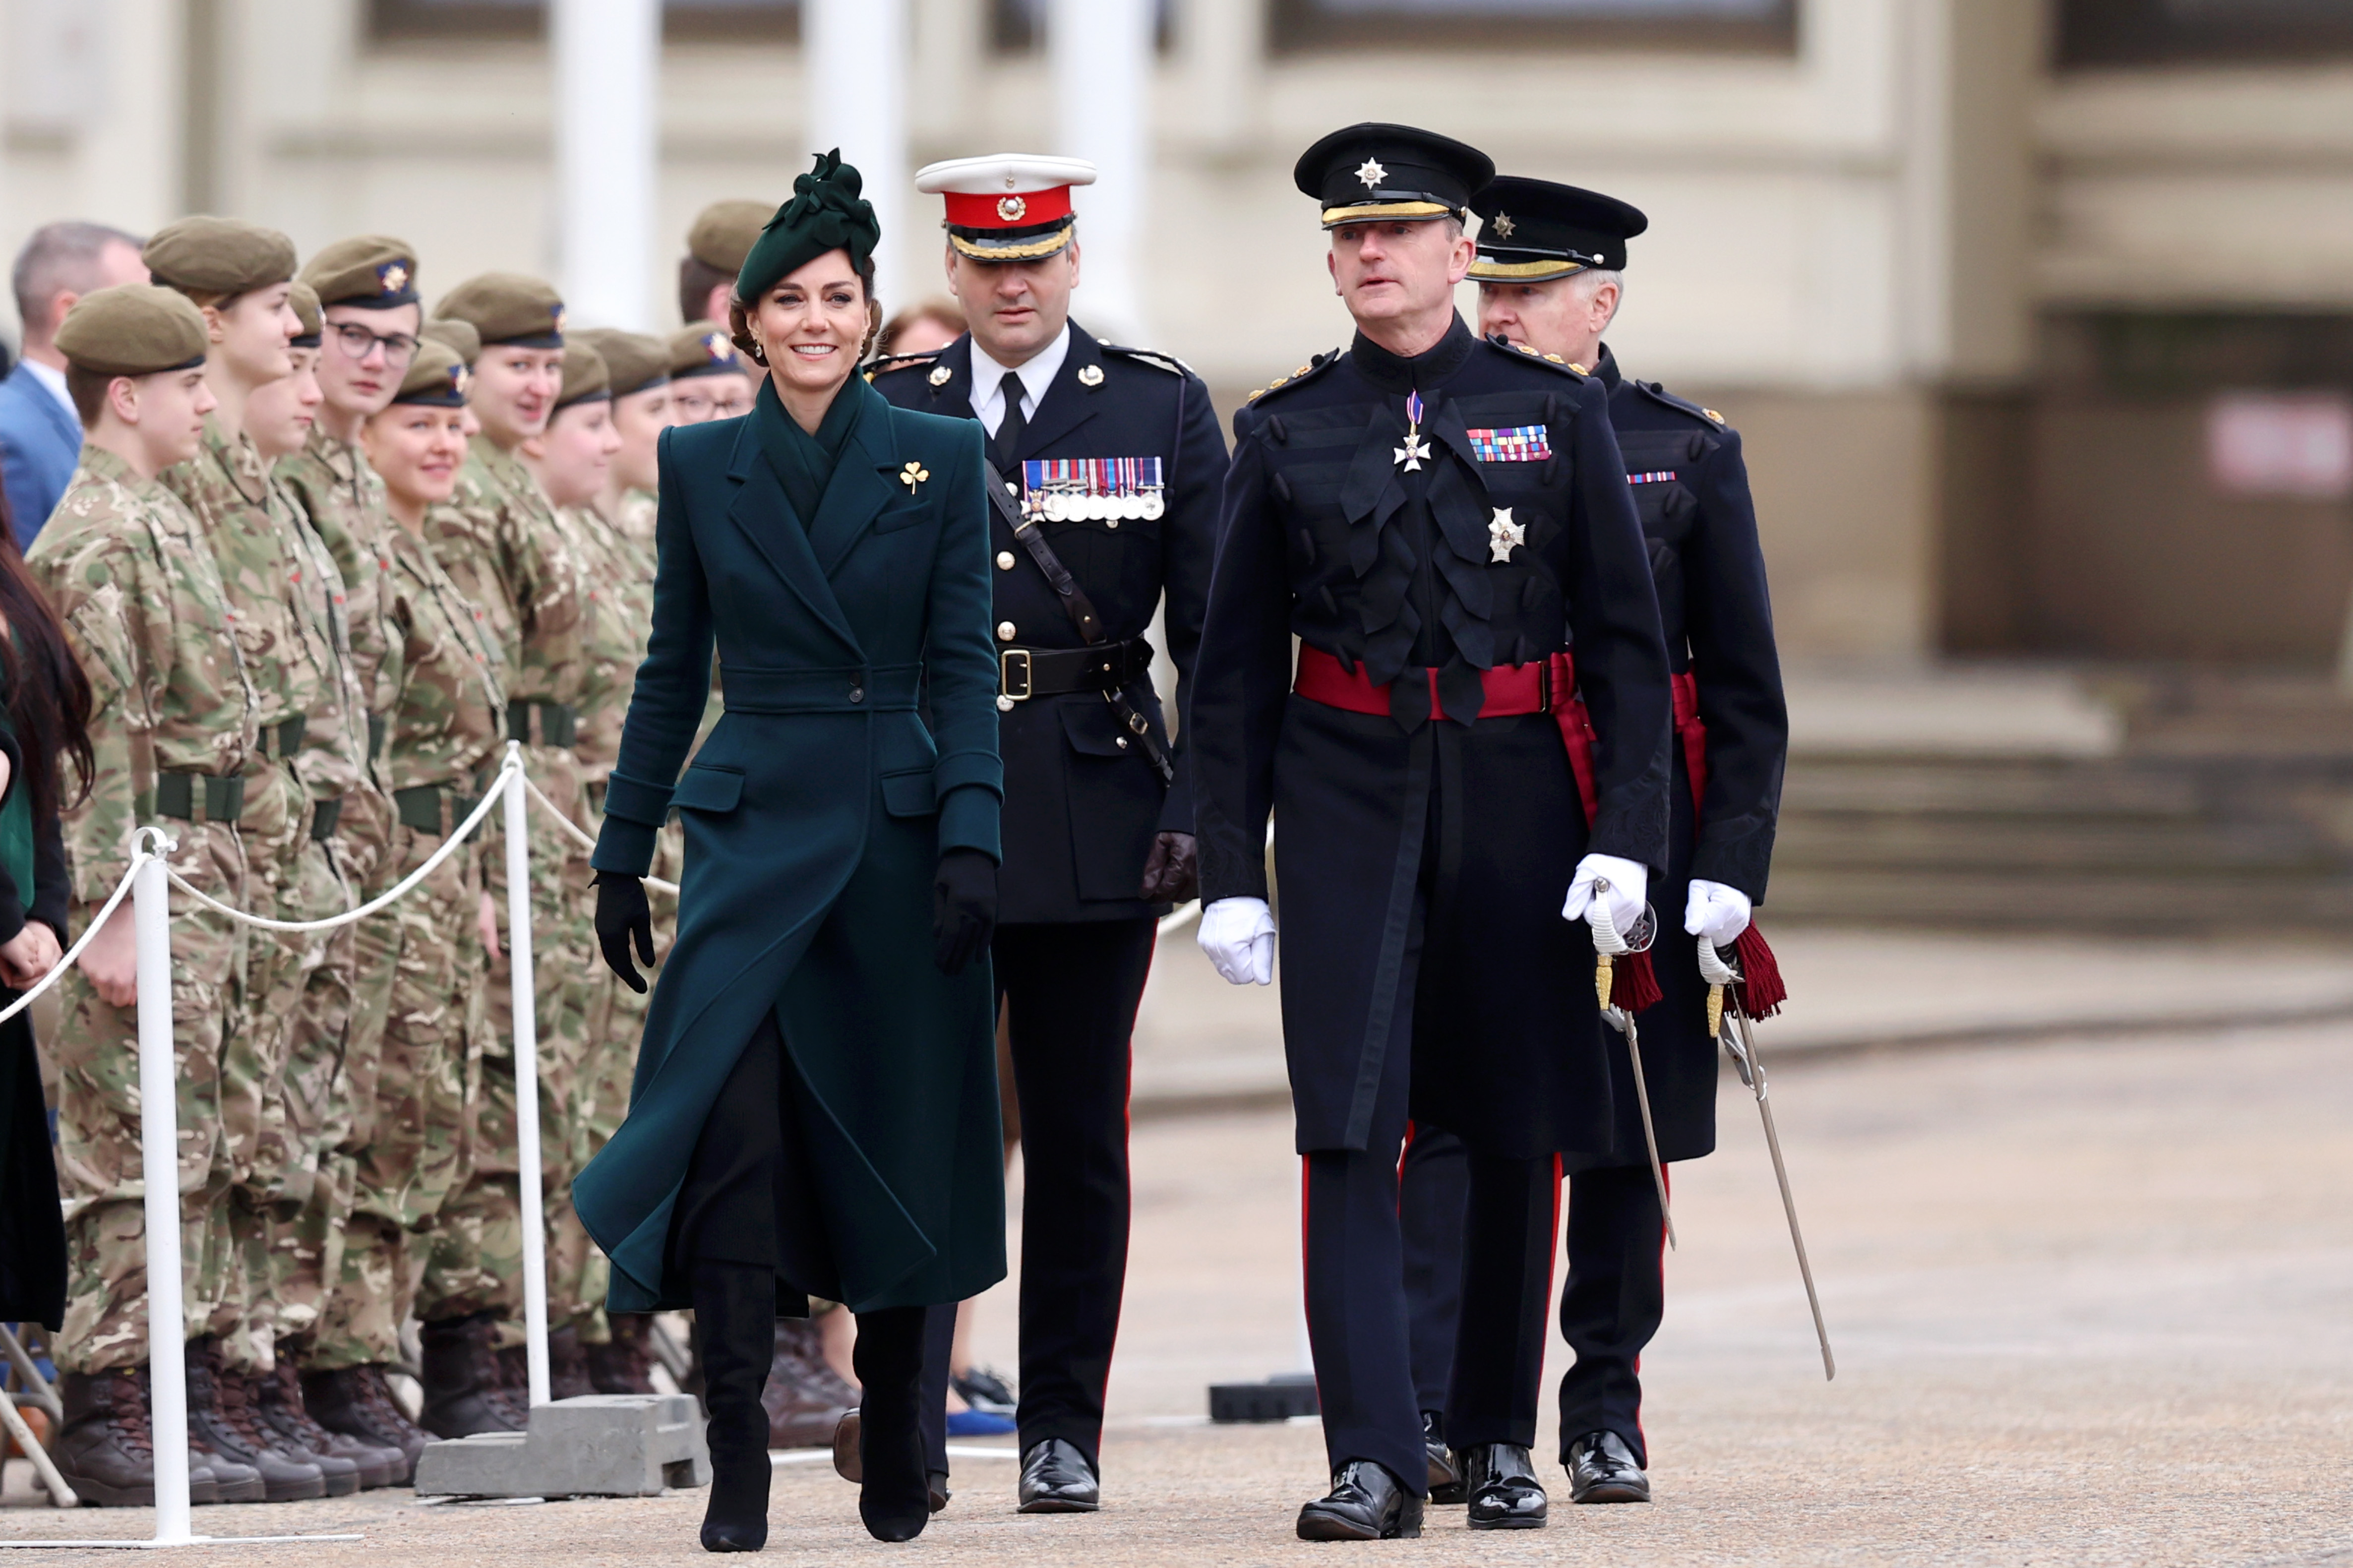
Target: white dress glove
<point>1625,898</point>
<point>1715,911</point>
<point>1239,936</point>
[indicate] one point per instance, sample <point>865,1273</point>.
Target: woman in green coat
<point>814,1106</point>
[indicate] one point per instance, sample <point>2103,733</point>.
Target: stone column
<point>607,59</point>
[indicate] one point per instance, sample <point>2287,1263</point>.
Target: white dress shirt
<point>1037,376</point>
<point>54,381</point>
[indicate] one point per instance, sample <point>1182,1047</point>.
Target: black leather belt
<point>288,735</point>
<point>218,800</point>
<point>1025,673</point>
<point>423,807</point>
<point>559,722</point>
<point>325,816</point>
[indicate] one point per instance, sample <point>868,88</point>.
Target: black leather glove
<point>1172,874</point>
<point>964,908</point>
<point>622,913</point>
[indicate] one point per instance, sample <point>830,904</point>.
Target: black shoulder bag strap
<point>1081,611</point>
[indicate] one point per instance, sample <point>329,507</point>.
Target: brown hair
<point>739,318</point>
<point>696,279</point>
<point>939,307</point>
<point>49,697</point>
<point>87,390</point>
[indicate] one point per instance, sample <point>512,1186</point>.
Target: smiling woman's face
<point>811,324</point>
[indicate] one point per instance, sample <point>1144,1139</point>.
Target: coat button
<point>1005,561</point>
<point>1005,631</point>
<point>1005,705</point>
<point>1123,742</point>
<point>858,694</point>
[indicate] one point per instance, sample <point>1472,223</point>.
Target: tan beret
<point>219,256</point>
<point>304,301</point>
<point>436,377</point>
<point>635,361</point>
<point>459,337</point>
<point>723,233</point>
<point>374,271</point>
<point>133,329</point>
<point>508,308</point>
<point>586,379</point>
<point>703,348</point>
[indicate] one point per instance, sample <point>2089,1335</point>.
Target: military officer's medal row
<point>1093,489</point>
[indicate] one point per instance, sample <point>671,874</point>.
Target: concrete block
<point>600,1445</point>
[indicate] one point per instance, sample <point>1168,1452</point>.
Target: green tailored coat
<point>815,815</point>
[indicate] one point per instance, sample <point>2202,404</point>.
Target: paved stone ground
<point>2091,1301</point>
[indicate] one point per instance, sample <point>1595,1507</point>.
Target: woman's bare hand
<point>27,958</point>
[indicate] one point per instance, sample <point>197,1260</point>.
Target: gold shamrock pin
<point>913,474</point>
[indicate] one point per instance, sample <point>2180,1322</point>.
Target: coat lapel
<point>761,512</point>
<point>865,481</point>
<point>1068,401</point>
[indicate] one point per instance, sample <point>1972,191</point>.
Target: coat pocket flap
<point>1094,729</point>
<point>910,794</point>
<point>707,788</point>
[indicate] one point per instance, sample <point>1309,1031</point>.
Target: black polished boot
<point>1602,1468</point>
<point>735,1323</point>
<point>893,1493</point>
<point>1366,1503</point>
<point>1503,1492</point>
<point>461,1378</point>
<point>1056,1478</point>
<point>1445,1477</point>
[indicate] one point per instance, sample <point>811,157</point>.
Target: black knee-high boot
<point>893,1498</point>
<point>735,1323</point>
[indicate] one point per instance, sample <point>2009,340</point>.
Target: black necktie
<point>1009,429</point>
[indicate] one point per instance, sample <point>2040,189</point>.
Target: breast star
<point>1371,172</point>
<point>1411,454</point>
<point>1504,536</point>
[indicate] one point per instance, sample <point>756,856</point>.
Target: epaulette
<point>898,361</point>
<point>1315,366</point>
<point>1152,357</point>
<point>1657,393</point>
<point>1503,345</point>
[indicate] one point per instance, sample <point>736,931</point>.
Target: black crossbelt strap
<point>1081,611</point>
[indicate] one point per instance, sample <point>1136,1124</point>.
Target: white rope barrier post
<point>526,1068</point>
<point>159,1160</point>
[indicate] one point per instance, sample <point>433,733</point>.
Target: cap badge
<point>1504,536</point>
<point>716,345</point>
<point>1371,172</point>
<point>392,277</point>
<point>557,313</point>
<point>1503,225</point>
<point>1012,209</point>
<point>942,376</point>
<point>1091,376</point>
<point>460,378</point>
<point>913,474</point>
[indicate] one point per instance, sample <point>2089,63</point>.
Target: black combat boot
<point>806,1398</point>
<point>893,1492</point>
<point>623,1365</point>
<point>462,1378</point>
<point>105,1448</point>
<point>354,1403</point>
<point>567,1364</point>
<point>223,1416</point>
<point>735,1322</point>
<point>284,1412</point>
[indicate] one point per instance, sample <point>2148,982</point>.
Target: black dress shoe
<point>1056,1478</point>
<point>1366,1503</point>
<point>1602,1468</point>
<point>1445,1480</point>
<point>1503,1491</point>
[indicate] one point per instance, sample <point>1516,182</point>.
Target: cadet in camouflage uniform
<point>502,546</point>
<point>172,726</point>
<point>242,276</point>
<point>370,316</point>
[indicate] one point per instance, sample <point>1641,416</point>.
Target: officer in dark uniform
<point>1550,271</point>
<point>1110,462</point>
<point>1436,520</point>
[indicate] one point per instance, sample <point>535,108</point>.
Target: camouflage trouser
<point>413,1151</point>
<point>97,1057</point>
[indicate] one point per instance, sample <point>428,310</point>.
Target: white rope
<point>580,835</point>
<point>449,846</point>
<point>122,891</point>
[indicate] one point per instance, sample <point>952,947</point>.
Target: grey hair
<point>60,257</point>
<point>1588,283</point>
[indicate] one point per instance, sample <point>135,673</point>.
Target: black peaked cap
<point>1371,171</point>
<point>1535,230</point>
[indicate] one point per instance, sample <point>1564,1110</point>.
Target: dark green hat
<point>586,379</point>
<point>1532,231</point>
<point>704,348</point>
<point>374,271</point>
<point>457,336</point>
<point>825,214</point>
<point>436,377</point>
<point>133,329</point>
<point>219,256</point>
<point>636,363</point>
<point>508,308</point>
<point>725,233</point>
<point>304,301</point>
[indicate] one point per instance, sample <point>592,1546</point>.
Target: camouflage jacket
<point>132,575</point>
<point>636,521</point>
<point>623,593</point>
<point>449,717</point>
<point>504,548</point>
<point>344,502</point>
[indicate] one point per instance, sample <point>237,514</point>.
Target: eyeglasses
<point>357,342</point>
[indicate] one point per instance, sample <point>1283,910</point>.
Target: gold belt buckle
<point>1004,668</point>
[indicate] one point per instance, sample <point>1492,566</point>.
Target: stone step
<point>2173,848</point>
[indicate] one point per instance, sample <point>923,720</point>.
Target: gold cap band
<point>1374,212</point>
<point>1485,270</point>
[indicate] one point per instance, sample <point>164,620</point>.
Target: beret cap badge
<point>392,277</point>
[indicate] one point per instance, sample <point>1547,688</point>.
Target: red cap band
<point>1008,211</point>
